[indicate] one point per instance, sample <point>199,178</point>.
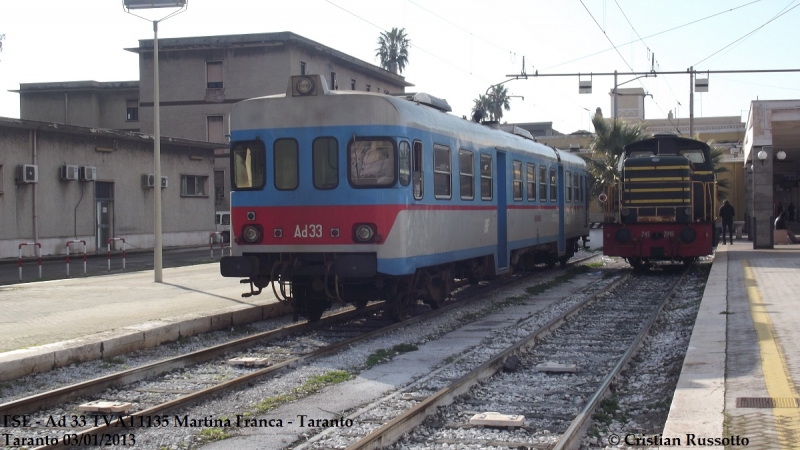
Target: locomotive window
<point>568,186</point>
<point>404,162</point>
<point>441,171</point>
<point>466,170</point>
<point>486,177</point>
<point>517,179</point>
<point>542,183</point>
<point>248,165</point>
<point>641,153</point>
<point>416,174</point>
<point>372,162</point>
<point>325,162</point>
<point>695,156</point>
<point>576,186</point>
<point>286,164</point>
<point>531,175</point>
<point>553,186</point>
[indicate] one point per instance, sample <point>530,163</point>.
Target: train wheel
<point>639,264</point>
<point>563,260</point>
<point>477,271</point>
<point>688,261</point>
<point>398,309</point>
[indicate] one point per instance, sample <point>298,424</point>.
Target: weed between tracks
<point>311,386</point>
<point>382,355</point>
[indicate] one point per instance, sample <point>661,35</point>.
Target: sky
<point>459,48</point>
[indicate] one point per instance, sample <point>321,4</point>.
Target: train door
<point>502,212</point>
<point>562,246</point>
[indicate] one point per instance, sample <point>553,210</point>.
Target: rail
<point>108,243</point>
<point>84,255</point>
<point>37,252</point>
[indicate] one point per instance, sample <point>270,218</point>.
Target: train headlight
<point>364,232</point>
<point>626,212</point>
<point>624,235</point>
<point>252,234</point>
<point>304,86</point>
<point>688,212</point>
<point>688,235</point>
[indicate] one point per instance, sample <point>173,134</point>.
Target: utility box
<point>27,173</point>
<point>88,173</point>
<point>148,180</point>
<point>69,172</point>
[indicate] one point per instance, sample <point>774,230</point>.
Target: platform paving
<point>55,323</point>
<point>743,352</point>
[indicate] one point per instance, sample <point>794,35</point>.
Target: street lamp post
<point>129,5</point>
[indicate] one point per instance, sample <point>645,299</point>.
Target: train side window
<point>248,161</point>
<point>441,171</point>
<point>576,186</point>
<point>530,173</point>
<point>404,162</point>
<point>325,162</point>
<point>542,183</point>
<point>583,188</point>
<point>516,169</point>
<point>568,186</point>
<point>286,166</point>
<point>416,174</point>
<point>466,171</point>
<point>486,177</point>
<point>372,162</point>
<point>553,185</point>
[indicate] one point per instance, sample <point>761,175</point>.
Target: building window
<point>302,67</point>
<point>369,87</point>
<point>441,171</point>
<point>486,177</point>
<point>466,172</point>
<point>352,84</point>
<point>132,107</point>
<point>517,180</point>
<point>214,75</point>
<point>325,162</point>
<point>193,186</point>
<point>214,128</point>
<point>333,81</point>
<point>531,181</point>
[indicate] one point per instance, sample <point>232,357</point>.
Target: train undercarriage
<point>313,282</point>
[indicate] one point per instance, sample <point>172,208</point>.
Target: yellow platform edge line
<point>773,364</point>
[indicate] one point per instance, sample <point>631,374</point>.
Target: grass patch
<point>113,361</point>
<point>214,434</point>
<point>594,265</point>
<point>382,355</point>
<point>310,386</point>
<point>539,288</point>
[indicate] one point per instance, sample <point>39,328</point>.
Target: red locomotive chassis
<point>658,241</point>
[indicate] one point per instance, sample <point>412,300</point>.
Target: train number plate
<point>308,231</point>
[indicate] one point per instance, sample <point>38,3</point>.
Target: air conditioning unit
<point>88,173</point>
<point>164,182</point>
<point>69,172</point>
<point>27,173</point>
<point>148,180</point>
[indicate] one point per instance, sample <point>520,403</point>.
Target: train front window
<point>326,163</point>
<point>695,156</point>
<point>372,162</point>
<point>641,154</point>
<point>286,164</point>
<point>248,165</point>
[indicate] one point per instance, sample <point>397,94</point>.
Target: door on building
<point>104,201</point>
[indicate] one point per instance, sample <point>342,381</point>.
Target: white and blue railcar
<point>355,196</point>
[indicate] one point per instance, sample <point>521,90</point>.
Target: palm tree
<point>610,138</point>
<point>393,50</point>
<point>492,104</point>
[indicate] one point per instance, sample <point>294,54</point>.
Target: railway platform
<point>738,384</point>
<point>50,324</point>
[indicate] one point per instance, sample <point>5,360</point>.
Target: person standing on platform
<point>726,212</point>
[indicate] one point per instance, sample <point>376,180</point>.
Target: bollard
<point>84,255</point>
<point>37,251</point>
<point>108,243</point>
<point>211,237</point>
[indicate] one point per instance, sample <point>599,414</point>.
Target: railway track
<point>160,377</point>
<point>599,336</point>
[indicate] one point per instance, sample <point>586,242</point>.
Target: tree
<point>492,105</point>
<point>393,50</point>
<point>610,138</point>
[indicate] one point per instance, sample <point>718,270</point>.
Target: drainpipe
<point>66,107</point>
<point>35,210</point>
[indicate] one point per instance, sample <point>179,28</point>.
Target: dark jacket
<point>727,212</point>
